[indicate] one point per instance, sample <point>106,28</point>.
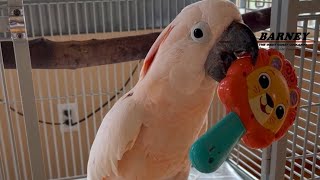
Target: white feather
<point>116,135</point>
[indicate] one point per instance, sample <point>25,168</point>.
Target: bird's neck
<point>161,95</point>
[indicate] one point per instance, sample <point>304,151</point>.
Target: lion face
<point>269,95</point>
<point>264,95</point>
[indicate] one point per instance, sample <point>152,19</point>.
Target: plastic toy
<point>261,101</point>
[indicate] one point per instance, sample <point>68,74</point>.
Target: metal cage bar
<point>284,18</point>
<point>29,107</point>
<point>22,56</point>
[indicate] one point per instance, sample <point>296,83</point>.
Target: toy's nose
<point>270,101</point>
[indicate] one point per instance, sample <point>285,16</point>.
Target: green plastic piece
<point>213,148</point>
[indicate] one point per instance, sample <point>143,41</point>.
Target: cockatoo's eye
<point>200,32</point>
<point>197,33</point>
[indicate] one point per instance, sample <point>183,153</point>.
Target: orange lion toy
<point>261,101</point>
<point>265,96</point>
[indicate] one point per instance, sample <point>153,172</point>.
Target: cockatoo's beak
<point>236,40</point>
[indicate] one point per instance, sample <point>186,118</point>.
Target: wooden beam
<point>46,54</point>
<point>258,20</point>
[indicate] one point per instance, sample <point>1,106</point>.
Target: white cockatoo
<point>148,132</point>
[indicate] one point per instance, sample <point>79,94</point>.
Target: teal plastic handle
<point>213,148</point>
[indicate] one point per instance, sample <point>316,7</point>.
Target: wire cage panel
<point>14,156</point>
<point>24,155</point>
<point>303,149</point>
<point>94,90</point>
<point>51,18</point>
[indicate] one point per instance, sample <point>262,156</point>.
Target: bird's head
<point>200,44</point>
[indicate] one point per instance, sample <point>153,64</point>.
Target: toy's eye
<point>200,32</point>
<point>280,111</point>
<point>264,80</point>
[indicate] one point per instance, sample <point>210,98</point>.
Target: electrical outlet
<point>68,117</point>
